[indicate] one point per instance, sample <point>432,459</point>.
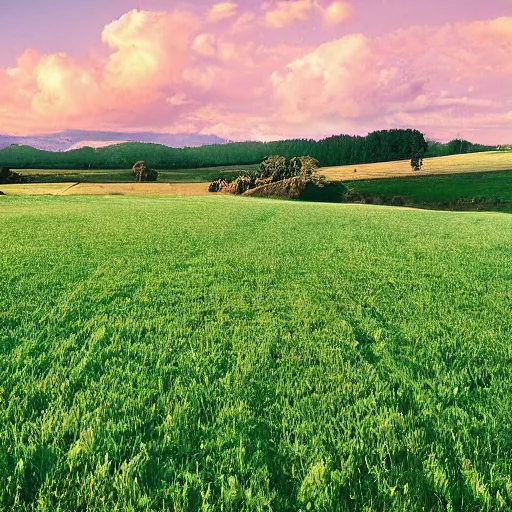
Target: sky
<point>258,70</point>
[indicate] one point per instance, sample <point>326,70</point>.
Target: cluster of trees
<point>379,146</point>
<point>455,147</point>
<point>274,169</point>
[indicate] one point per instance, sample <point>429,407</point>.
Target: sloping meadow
<point>222,353</point>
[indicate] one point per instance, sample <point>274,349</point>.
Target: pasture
<point>202,175</point>
<point>235,354</point>
<point>472,190</point>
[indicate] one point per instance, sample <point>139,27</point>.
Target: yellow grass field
<point>129,189</point>
<point>23,189</point>
<point>474,162</point>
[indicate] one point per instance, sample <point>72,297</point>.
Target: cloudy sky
<point>258,70</point>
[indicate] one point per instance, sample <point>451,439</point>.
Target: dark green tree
<point>417,161</point>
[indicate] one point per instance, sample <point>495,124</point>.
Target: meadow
<point>473,190</point>
<point>202,175</point>
<point>240,354</point>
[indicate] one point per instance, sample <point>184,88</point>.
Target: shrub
<point>397,201</point>
<point>330,192</point>
<point>353,196</point>
<point>217,185</point>
<point>241,185</point>
<point>7,176</point>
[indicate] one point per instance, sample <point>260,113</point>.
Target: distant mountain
<point>95,144</point>
<point>74,139</point>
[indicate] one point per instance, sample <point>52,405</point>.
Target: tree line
<point>378,146</point>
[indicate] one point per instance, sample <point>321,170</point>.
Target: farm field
<point>206,174</point>
<point>224,353</point>
<point>473,162</point>
<point>486,190</point>
<point>130,189</point>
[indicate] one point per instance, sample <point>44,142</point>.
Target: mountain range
<point>76,139</point>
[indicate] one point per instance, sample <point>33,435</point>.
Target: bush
<point>330,192</point>
<point>397,201</point>
<point>7,176</point>
<point>353,196</point>
<point>217,185</point>
<point>241,184</point>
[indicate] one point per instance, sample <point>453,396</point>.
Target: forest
<point>378,146</point>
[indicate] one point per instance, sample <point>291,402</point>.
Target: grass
<point>34,188</point>
<point>473,162</point>
<point>206,174</point>
<point>235,354</point>
<point>480,190</point>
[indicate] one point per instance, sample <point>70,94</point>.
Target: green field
<point>237,354</point>
<point>487,190</point>
<point>126,175</point>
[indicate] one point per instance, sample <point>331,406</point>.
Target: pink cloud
<point>149,48</point>
<point>244,22</point>
<point>205,44</point>
<point>222,11</point>
<point>337,12</point>
<point>423,76</point>
<point>287,12</point>
<point>284,13</point>
<point>177,71</point>
<point>149,52</point>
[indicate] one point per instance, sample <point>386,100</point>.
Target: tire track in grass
<point>66,189</point>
